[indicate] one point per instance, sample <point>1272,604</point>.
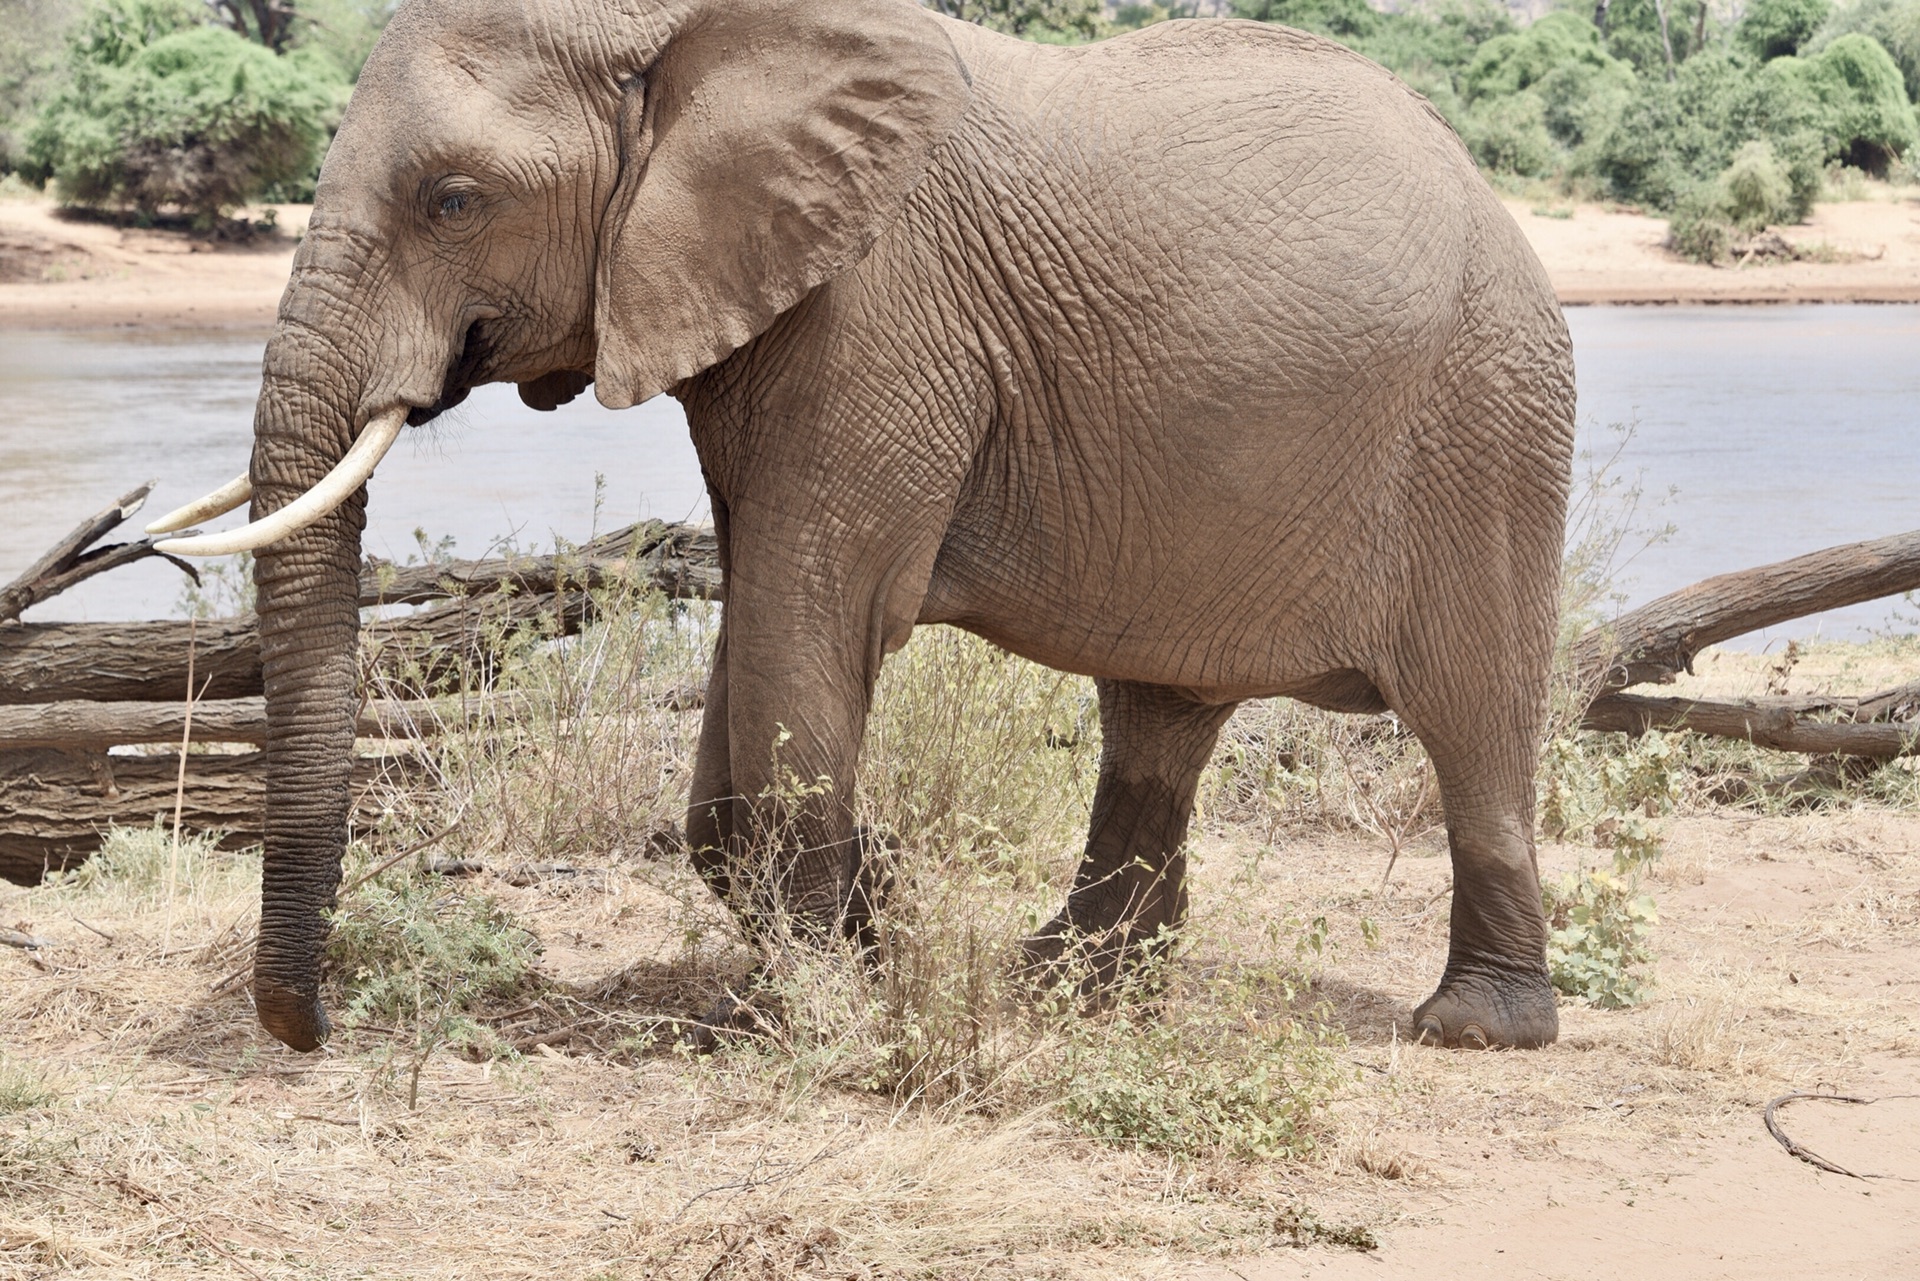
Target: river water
<point>1755,432</point>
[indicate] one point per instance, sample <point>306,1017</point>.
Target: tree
<point>1030,19</point>
<point>30,44</point>
<point>1778,28</point>
<point>267,22</point>
<point>161,110</point>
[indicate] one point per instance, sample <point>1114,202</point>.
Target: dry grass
<point>927,1124</point>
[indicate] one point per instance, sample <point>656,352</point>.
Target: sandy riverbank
<point>58,273</point>
<point>1596,254</point>
<point>63,273</point>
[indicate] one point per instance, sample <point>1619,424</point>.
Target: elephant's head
<point>549,192</point>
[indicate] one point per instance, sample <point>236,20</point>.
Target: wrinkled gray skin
<point>1199,361</point>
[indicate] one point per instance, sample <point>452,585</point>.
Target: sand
<point>64,273</point>
<point>1598,254</point>
<point>61,273</point>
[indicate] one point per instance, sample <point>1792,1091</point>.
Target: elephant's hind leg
<point>1483,742</point>
<point>1131,885</point>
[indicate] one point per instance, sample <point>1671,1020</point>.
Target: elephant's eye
<point>452,202</point>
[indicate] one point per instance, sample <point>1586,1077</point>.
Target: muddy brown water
<point>1757,432</point>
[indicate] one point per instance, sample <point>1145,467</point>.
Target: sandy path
<point>59,274</point>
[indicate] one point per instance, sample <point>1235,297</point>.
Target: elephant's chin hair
<point>295,1018</point>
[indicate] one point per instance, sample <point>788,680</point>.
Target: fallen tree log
<point>681,561</point>
<point>227,720</point>
<point>110,662</point>
<point>147,662</point>
<point>69,561</point>
<point>1783,725</point>
<point>54,806</point>
<point>1658,640</point>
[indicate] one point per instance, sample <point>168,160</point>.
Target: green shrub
<point>1597,933</point>
<point>1699,232</point>
<point>1778,28</point>
<point>1755,190</point>
<point>1873,123</point>
<point>1894,24</point>
<point>1507,64</point>
<point>1581,102</point>
<point>1633,33</point>
<point>1249,1087</point>
<point>161,111</point>
<point>415,950</point>
<point>1509,135</point>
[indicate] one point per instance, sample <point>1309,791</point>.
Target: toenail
<point>1430,1032</point>
<point>1473,1037</point>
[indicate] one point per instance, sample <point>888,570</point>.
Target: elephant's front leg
<point>710,798</point>
<point>807,624</point>
<point>1131,885</point>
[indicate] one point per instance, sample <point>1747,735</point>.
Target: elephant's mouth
<point>465,373</point>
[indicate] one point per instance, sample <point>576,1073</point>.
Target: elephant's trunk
<point>309,624</point>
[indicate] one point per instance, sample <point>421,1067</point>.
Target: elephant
<point>1200,361</point>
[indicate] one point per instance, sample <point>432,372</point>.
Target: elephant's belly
<point>1227,604</point>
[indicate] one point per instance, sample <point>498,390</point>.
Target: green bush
<point>1873,123</point>
<point>1893,24</point>
<point>1778,28</point>
<point>1699,232</point>
<point>161,111</point>
<point>1597,933</point>
<point>1509,135</point>
<point>31,38</point>
<point>1581,102</point>
<point>1249,1087</point>
<point>1755,189</point>
<point>1507,64</point>
<point>414,950</point>
<point>1633,33</point>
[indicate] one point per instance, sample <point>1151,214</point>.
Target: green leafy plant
<point>1598,928</point>
<point>413,949</point>
<point>1892,24</point>
<point>1591,786</point>
<point>1247,1086</point>
<point>1778,28</point>
<point>161,111</point>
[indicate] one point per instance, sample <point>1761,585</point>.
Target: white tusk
<point>218,503</point>
<point>351,472</point>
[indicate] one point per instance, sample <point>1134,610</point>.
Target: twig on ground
<point>404,854</point>
<point>92,929</point>
<point>15,938</point>
<point>1808,1155</point>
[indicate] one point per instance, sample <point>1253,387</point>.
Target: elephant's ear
<point>776,140</point>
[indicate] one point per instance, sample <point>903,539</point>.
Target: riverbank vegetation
<point>1726,119</point>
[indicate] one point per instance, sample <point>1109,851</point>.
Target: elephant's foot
<point>1490,1009</point>
<point>1092,961</point>
<point>870,882</point>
